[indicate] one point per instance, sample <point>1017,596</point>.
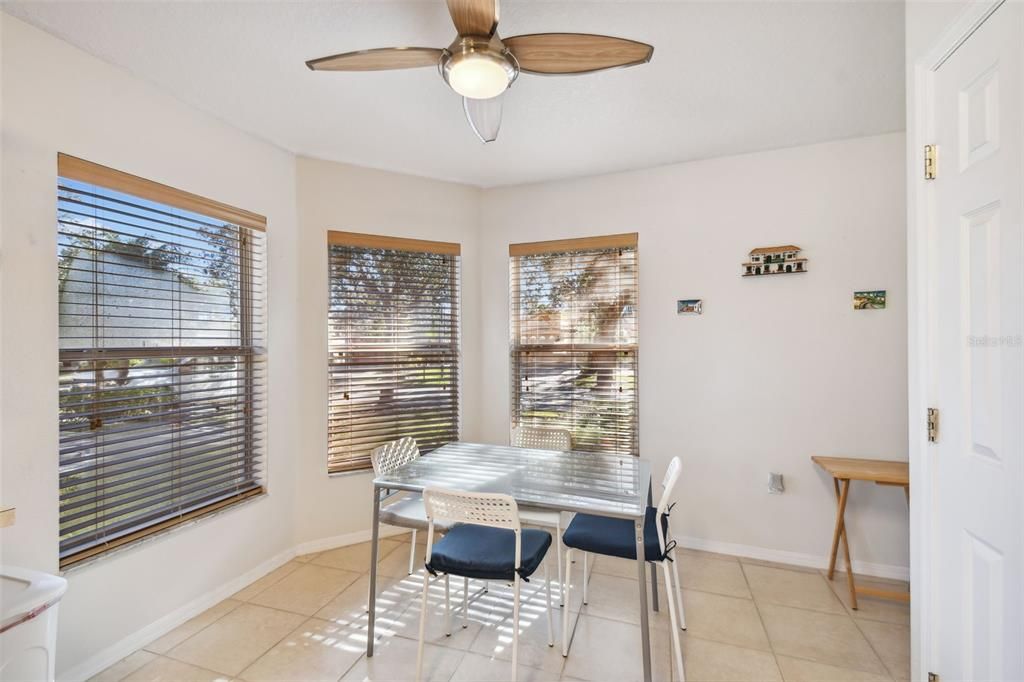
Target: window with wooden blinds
<point>574,339</point>
<point>161,377</point>
<point>393,345</point>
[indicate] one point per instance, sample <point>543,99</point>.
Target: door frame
<point>920,229</point>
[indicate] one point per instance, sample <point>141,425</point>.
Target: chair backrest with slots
<point>481,509</point>
<point>541,439</point>
<point>390,456</point>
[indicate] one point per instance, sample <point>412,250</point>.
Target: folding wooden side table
<point>846,469</point>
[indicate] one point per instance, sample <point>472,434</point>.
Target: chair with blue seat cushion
<point>487,542</point>
<point>488,553</point>
<point>616,537</point>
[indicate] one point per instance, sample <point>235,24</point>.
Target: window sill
<point>347,474</point>
<point>138,544</point>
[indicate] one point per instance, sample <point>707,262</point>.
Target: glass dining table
<point>587,482</point>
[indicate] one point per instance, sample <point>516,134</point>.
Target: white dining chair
<point>486,542</point>
<point>616,537</point>
<point>407,510</point>
<point>544,439</point>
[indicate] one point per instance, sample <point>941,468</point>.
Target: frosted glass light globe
<point>478,76</point>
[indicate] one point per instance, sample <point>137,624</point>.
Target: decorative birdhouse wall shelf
<point>774,260</point>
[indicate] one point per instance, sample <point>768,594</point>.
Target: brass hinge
<point>933,424</point>
<point>929,161</point>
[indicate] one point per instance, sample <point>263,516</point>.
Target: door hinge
<point>929,161</point>
<point>933,424</point>
<point>933,677</point>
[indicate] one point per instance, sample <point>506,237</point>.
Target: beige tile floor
<point>747,620</point>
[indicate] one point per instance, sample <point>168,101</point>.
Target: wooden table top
<point>888,471</point>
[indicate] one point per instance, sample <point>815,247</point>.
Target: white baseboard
<point>345,539</point>
<point>889,571</point>
<point>102,660</point>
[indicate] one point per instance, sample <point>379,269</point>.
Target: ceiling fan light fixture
<point>478,69</point>
<point>481,66</point>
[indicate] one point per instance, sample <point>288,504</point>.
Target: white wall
<point>57,99</point>
<point>335,196</point>
<point>777,368</point>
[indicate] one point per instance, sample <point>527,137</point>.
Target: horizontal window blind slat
<point>162,374</point>
<point>153,491</point>
<point>182,481</point>
<point>166,446</point>
<point>74,434</point>
<point>77,430</point>
<point>393,348</point>
<point>129,515</point>
<point>101,245</point>
<point>111,407</point>
<point>135,273</point>
<point>102,470</point>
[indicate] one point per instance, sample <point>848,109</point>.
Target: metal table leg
<point>374,542</point>
<point>645,631</point>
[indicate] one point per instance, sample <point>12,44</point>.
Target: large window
<point>161,365</point>
<point>574,339</point>
<point>393,345</point>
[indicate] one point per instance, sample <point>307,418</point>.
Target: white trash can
<point>28,623</point>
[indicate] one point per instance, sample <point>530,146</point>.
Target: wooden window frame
<point>358,240</point>
<point>247,353</point>
<point>620,241</point>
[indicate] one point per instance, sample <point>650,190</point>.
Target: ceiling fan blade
<point>484,116</point>
<point>474,17</point>
<point>379,59</point>
<point>569,53</point>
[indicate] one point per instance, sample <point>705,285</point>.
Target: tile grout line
<point>858,615</point>
<point>867,639</point>
<point>469,650</point>
<point>846,613</point>
<point>164,654</point>
<point>207,670</point>
<point>249,603</point>
<point>849,612</point>
<point>242,602</point>
<point>288,634</point>
<point>760,619</point>
<point>561,666</point>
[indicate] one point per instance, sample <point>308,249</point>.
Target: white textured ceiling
<point>726,78</point>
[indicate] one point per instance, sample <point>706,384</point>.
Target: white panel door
<point>976,287</point>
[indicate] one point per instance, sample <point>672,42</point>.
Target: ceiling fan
<point>481,66</point>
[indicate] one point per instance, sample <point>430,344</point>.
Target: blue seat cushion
<point>487,553</point>
<point>614,537</point>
